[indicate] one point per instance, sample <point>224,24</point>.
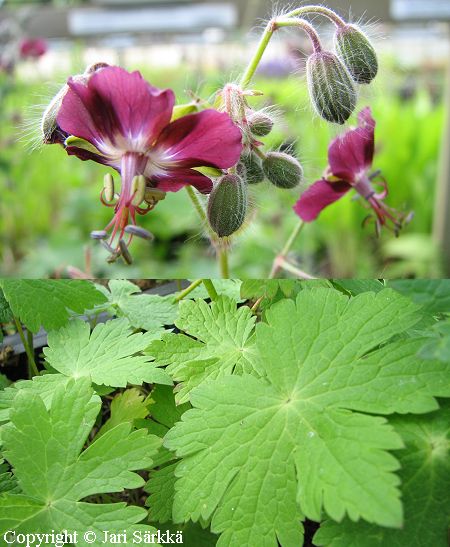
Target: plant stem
<point>254,62</point>
<point>222,255</point>
<point>286,265</point>
<point>32,367</point>
<point>209,286</point>
<point>320,10</point>
<point>188,290</point>
<point>196,203</point>
<point>276,266</point>
<point>272,26</point>
<point>221,250</point>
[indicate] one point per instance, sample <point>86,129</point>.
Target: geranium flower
<point>116,118</point>
<point>350,158</point>
<point>32,48</point>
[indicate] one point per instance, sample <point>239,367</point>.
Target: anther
<point>137,190</point>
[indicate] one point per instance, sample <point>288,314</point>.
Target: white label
<point>420,9</point>
<point>177,18</point>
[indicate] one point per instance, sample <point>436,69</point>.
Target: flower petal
<point>178,178</point>
<point>207,138</point>
<point>115,105</point>
<point>351,154</point>
<point>318,196</point>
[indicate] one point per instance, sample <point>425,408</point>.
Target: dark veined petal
<point>318,196</point>
<point>352,153</point>
<point>207,138</point>
<point>116,105</point>
<point>178,178</point>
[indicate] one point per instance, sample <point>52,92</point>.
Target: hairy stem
<point>319,10</point>
<point>209,286</point>
<point>271,27</point>
<point>32,367</point>
<point>188,290</point>
<point>222,256</point>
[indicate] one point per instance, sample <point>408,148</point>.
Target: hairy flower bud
<point>358,54</point>
<point>260,124</point>
<point>282,170</point>
<point>331,87</point>
<point>249,168</point>
<point>227,205</point>
<point>50,131</point>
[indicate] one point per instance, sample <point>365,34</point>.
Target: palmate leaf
<point>259,453</point>
<point>109,355</point>
<point>438,345</point>
<point>143,311</point>
<point>219,341</point>
<point>425,474</point>
<point>432,294</point>
<point>44,446</point>
<point>47,302</point>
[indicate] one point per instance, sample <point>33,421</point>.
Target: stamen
<point>139,232</point>
<point>99,234</point>
<point>108,187</point>
<point>125,252</point>
<point>138,190</point>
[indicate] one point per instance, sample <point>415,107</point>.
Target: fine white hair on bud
<point>227,205</point>
<point>357,53</point>
<point>331,87</point>
<point>282,170</point>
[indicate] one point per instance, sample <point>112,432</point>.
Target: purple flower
<point>350,158</point>
<point>32,48</point>
<point>122,121</point>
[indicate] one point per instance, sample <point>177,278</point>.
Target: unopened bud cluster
<point>333,76</point>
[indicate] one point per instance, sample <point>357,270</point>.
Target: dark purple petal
<point>351,154</point>
<point>114,103</point>
<point>207,138</point>
<point>318,196</point>
<point>178,178</point>
<point>85,155</point>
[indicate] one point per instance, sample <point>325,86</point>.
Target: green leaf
<point>358,286</point>
<point>425,474</point>
<point>267,288</point>
<point>108,355</point>
<point>165,413</point>
<point>193,534</point>
<point>47,302</point>
<point>432,294</point>
<point>257,453</point>
<point>224,287</point>
<point>43,446</point>
<point>219,341</point>
<point>438,345</point>
<point>144,311</point>
<point>126,407</point>
<point>8,482</point>
<point>5,310</point>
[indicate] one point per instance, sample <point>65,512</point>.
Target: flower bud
<point>227,205</point>
<point>331,87</point>
<point>358,54</point>
<point>260,124</point>
<point>50,131</point>
<point>249,168</point>
<point>282,170</point>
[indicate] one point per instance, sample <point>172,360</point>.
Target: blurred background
<point>49,202</point>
